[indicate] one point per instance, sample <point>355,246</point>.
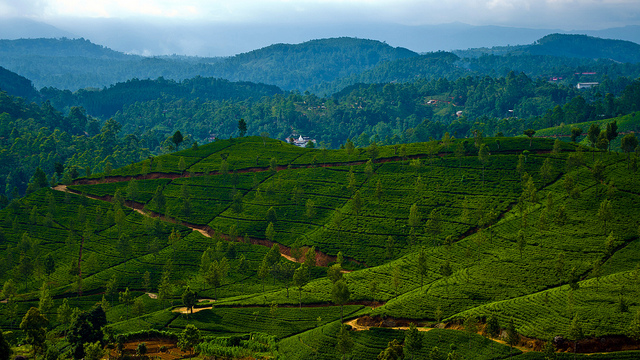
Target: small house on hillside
<point>587,85</point>
<point>300,141</point>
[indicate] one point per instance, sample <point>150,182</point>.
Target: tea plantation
<point>493,247</point>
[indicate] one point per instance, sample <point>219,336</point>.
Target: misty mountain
<point>583,46</point>
<point>16,85</point>
<point>76,64</point>
<point>301,66</point>
<point>322,66</point>
<point>569,46</point>
<point>22,28</point>
<point>59,47</point>
<point>211,39</point>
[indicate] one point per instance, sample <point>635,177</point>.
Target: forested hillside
<point>17,85</point>
<point>393,113</point>
<point>322,66</point>
<point>37,144</point>
<point>76,64</point>
<point>529,241</point>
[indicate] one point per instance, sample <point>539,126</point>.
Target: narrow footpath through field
<point>321,258</point>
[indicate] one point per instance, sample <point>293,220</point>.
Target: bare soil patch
<point>153,349</point>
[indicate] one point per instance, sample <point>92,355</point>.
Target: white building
<point>301,141</point>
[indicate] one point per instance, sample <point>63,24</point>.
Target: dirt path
<point>153,349</point>
<point>358,327</point>
<point>321,258</point>
<point>185,310</point>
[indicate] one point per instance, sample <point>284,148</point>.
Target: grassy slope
<point>490,275</point>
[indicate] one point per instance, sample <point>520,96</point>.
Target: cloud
<point>563,14</point>
<point>22,8</point>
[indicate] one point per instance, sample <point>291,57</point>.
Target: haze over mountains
<point>323,66</point>
<point>147,38</point>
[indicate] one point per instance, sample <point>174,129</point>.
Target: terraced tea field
<point>431,233</point>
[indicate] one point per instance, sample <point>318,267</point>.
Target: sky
<point>182,23</point>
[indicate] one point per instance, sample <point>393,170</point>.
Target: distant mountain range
<point>571,46</point>
<point>138,37</point>
<point>322,66</point>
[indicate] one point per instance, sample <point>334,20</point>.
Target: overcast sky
<point>85,16</point>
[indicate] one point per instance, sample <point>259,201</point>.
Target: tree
<point>264,135</point>
<point>236,204</point>
<point>94,351</point>
<point>421,266</point>
<point>177,139</point>
<point>575,332</point>
<point>349,147</point>
<point>284,271</point>
<point>610,244</point>
<point>310,257</point>
<point>271,215</point>
<point>158,200</point>
<point>434,225</point>
<point>351,180</point>
<point>216,273</point>
<point>189,338</point>
<point>373,151</point>
<point>605,213</point>
<point>357,204</point>
<point>126,298</point>
<point>189,298</point>
<point>111,288</point>
<point>263,271</point>
<point>611,132</point>
<point>459,152</point>
<point>470,326</point>
<point>493,326</point>
<point>368,169</point>
<point>393,351</point>
<point>414,216</point>
<point>86,328</point>
<point>34,325</point>
<point>574,278</point>
<point>483,156</point>
<point>334,273</point>
<point>520,164</point>
<point>141,350</point>
<point>340,294</point>
<point>270,233</point>
<point>344,344</point>
<point>603,142</point>
<point>300,279</point>
<point>628,144</point>
<point>5,348</point>
<point>575,133</point>
<point>273,165</point>
<point>634,327</point>
<point>513,338</point>
<point>64,313</point>
<point>242,127</point>
<point>529,133</point>
<point>46,301</point>
<point>310,207</point>
<point>545,170</point>
<point>373,289</point>
<point>522,243</point>
<point>592,135</point>
<point>378,190</point>
<point>412,341</point>
<point>395,278</point>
